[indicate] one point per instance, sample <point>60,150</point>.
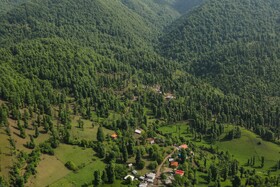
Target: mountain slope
<point>7,5</point>
<point>184,6</point>
<point>73,72</point>
<point>227,41</point>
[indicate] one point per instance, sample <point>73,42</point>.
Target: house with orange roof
<point>183,146</point>
<point>174,164</point>
<point>114,136</point>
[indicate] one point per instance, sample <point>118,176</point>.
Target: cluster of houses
<point>167,96</point>
<point>149,178</point>
<point>146,180</point>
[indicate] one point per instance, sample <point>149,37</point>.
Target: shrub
<point>71,166</point>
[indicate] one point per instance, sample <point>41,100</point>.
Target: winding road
<point>158,173</point>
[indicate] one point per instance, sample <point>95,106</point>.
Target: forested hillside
<point>91,86</point>
<point>233,44</point>
<point>7,5</point>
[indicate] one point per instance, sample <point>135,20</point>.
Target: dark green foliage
<point>100,150</point>
<point>110,170</point>
<point>100,61</point>
<point>224,38</point>
<point>46,148</point>
<point>71,166</point>
<point>138,159</point>
<point>104,176</point>
<point>100,134</point>
<point>3,183</point>
<point>236,182</point>
<point>153,165</point>
<point>262,162</point>
<point>31,143</point>
<point>120,171</point>
<point>124,153</point>
<point>97,178</point>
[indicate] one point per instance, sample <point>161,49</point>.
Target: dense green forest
<point>78,78</point>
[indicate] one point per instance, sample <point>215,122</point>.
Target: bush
<point>71,166</point>
<point>46,148</point>
<point>141,165</point>
<point>152,165</point>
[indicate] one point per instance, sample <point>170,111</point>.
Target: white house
<point>143,185</point>
<point>171,159</point>
<point>126,177</point>
<point>137,131</point>
<point>151,176</point>
<point>134,172</point>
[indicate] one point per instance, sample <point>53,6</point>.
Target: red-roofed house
<point>179,172</point>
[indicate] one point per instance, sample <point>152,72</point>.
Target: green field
<point>179,129</point>
<point>241,149</point>
<point>80,157</point>
<point>88,133</point>
<point>84,175</point>
<point>251,145</point>
<point>75,154</point>
<point>49,170</point>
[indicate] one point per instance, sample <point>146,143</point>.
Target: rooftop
<point>114,136</point>
<point>184,146</point>
<point>137,131</point>
<point>151,176</point>
<point>174,164</point>
<point>126,177</point>
<point>179,172</point>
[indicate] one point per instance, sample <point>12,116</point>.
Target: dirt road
<point>158,173</point>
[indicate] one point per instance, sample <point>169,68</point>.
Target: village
<point>165,173</point>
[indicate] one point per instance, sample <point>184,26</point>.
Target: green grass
<point>78,156</point>
<point>84,175</point>
<point>88,133</point>
<point>49,170</point>
<point>75,154</point>
<point>178,129</point>
<point>247,146</point>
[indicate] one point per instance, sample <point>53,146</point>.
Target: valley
<point>139,93</point>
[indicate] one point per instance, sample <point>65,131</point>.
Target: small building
<point>151,140</point>
<point>114,136</point>
<point>167,182</point>
<point>183,146</point>
<point>137,131</point>
<point>143,185</point>
<point>141,178</point>
<point>150,180</point>
<point>151,176</point>
<point>130,165</point>
<point>134,172</point>
<point>169,97</point>
<point>171,160</point>
<point>174,164</point>
<point>126,177</point>
<point>179,172</point>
